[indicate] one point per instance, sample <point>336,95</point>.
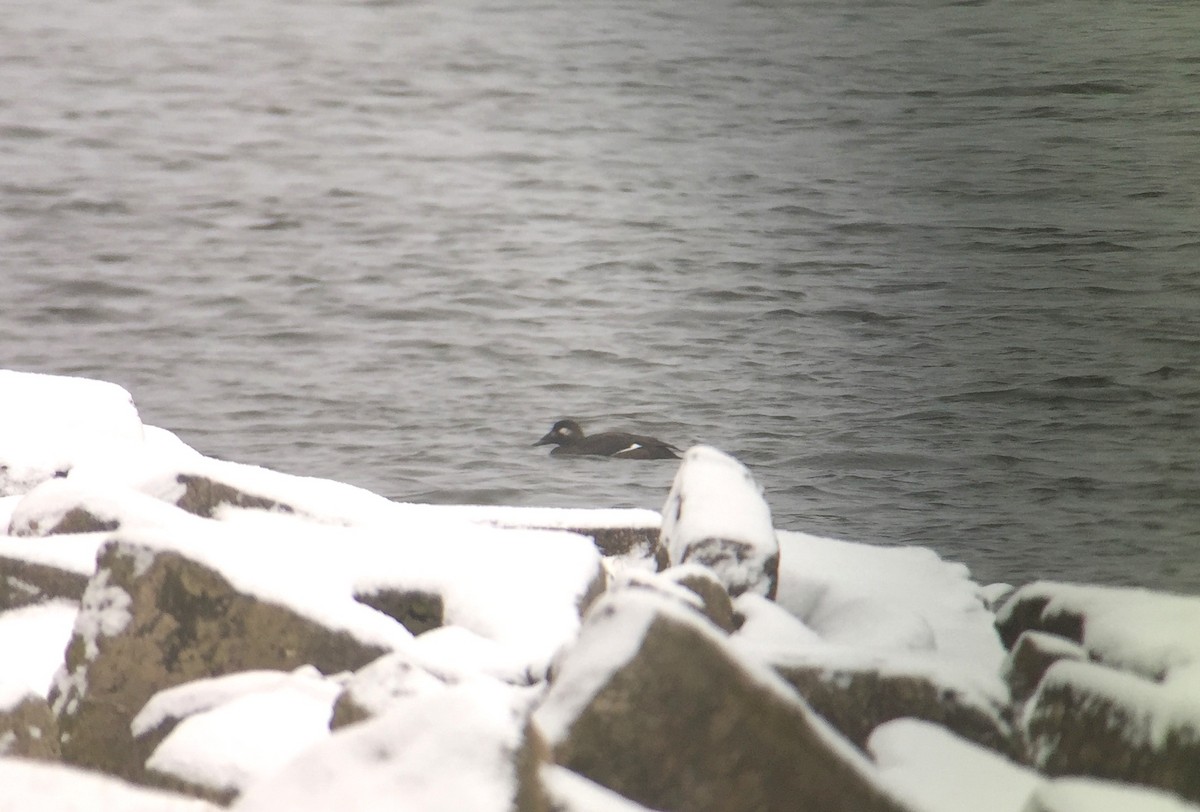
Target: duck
<point>569,439</point>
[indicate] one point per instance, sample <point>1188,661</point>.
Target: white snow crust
<point>239,728</point>
<point>26,785</point>
<point>32,642</point>
<point>446,751</point>
<point>936,771</point>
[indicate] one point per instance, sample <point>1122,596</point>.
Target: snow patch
<point>239,728</point>
<point>448,751</point>
<point>32,642</point>
<point>935,771</point>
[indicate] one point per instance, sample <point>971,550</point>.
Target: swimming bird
<point>569,438</point>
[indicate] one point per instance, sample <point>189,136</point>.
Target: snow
<point>887,599</point>
<point>239,728</point>
<point>39,785</point>
<point>935,771</point>
<point>716,513</point>
<point>446,751</point>
<point>32,642</point>
<point>50,423</point>
<point>1092,795</point>
<point>1144,631</point>
<point>72,553</point>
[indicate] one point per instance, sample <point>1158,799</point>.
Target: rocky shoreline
<point>212,634</point>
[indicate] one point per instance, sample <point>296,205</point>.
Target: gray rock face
<point>153,619</point>
<point>716,516</point>
<point>28,730</point>
<point>203,496</point>
<point>1086,719</point>
<point>678,723</point>
<point>26,582</point>
<point>858,701</point>
<point>1032,655</point>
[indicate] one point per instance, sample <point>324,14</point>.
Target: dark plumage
<point>569,438</point>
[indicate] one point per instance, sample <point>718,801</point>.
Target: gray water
<point>932,270</point>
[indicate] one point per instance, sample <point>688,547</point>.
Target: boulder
<point>716,605</point>
<point>1090,720</point>
<point>1139,630</point>
<point>690,585</point>
<point>1030,658</point>
<point>25,582</point>
<point>28,729</point>
<point>151,619</point>
<point>716,515</point>
<point>204,496</point>
<point>856,701</point>
<point>654,704</point>
<point>414,609</point>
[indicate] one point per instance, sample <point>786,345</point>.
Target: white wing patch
<point>633,447</point>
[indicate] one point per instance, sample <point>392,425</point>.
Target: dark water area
<point>931,270</point>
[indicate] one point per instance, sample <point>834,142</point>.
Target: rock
<point>28,730</point>
<point>1149,633</point>
<point>690,585</point>
<point>25,582</point>
<point>204,496</point>
<point>654,704</point>
<point>416,610</point>
<point>1024,611</point>
<point>150,619</point>
<point>856,701</point>
<point>1087,719</point>
<point>716,604</point>
<point>1030,658</point>
<point>716,515</point>
<point>626,542</point>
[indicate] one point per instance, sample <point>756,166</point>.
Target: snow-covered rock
<point>151,619</point>
<point>217,736</point>
<point>50,423</point>
<point>653,703</point>
<point>1031,657</point>
<point>1088,719</point>
<point>716,515</point>
<point>1139,630</point>
<point>445,751</point>
<point>936,771</point>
